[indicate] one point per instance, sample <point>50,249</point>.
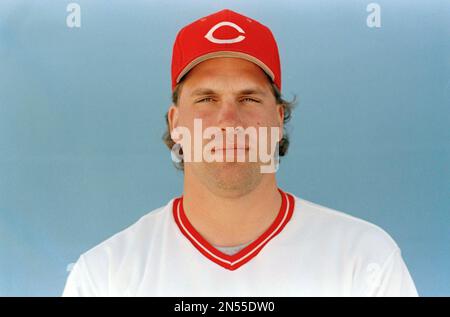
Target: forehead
<point>227,72</point>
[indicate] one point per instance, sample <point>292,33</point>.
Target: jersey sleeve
<point>391,279</point>
<point>79,282</point>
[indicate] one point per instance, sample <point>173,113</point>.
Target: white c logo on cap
<point>210,37</point>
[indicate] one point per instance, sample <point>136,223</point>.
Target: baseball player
<point>234,231</point>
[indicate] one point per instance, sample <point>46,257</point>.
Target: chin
<point>234,175</point>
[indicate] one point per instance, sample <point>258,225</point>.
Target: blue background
<point>82,114</point>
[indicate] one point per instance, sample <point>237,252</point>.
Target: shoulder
<point>337,227</point>
<point>91,274</point>
<point>126,248</point>
<point>134,234</point>
<point>362,252</point>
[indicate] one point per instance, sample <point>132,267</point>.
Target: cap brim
<point>205,57</point>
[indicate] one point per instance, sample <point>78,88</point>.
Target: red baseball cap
<point>225,34</point>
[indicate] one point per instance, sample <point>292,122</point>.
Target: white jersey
<point>309,250</point>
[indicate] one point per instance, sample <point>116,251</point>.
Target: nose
<point>229,115</point>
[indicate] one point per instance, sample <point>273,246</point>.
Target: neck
<point>229,220</point>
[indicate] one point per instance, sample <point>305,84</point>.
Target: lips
<point>230,148</point>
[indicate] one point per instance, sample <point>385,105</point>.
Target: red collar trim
<point>232,262</point>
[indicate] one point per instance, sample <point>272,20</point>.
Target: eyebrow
<point>247,91</point>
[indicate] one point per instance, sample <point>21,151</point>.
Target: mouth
<point>230,148</point>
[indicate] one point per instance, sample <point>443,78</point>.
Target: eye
<point>207,99</point>
<point>247,99</point>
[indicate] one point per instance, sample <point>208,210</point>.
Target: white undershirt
<point>233,249</point>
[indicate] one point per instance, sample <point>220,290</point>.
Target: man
<point>234,232</point>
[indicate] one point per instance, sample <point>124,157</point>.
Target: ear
<point>172,117</point>
<point>280,112</point>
